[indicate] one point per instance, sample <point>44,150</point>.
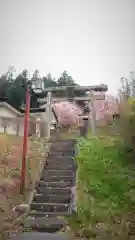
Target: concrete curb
<point>73,197</point>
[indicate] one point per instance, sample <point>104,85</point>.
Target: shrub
<point>127,123</point>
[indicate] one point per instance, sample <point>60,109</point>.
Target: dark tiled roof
<point>39,110</point>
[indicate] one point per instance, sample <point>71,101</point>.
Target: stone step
<point>60,184</point>
<point>57,156</point>
<point>53,191</point>
<point>61,166</point>
<point>63,153</point>
<point>50,225</point>
<point>50,207</point>
<point>61,148</point>
<point>34,213</point>
<point>58,164</point>
<point>64,142</point>
<point>51,198</point>
<point>58,167</point>
<point>38,235</point>
<point>54,172</point>
<point>60,159</point>
<point>48,178</point>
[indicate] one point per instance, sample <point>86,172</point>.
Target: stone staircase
<point>54,195</point>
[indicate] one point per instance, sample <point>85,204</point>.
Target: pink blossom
<point>68,113</point>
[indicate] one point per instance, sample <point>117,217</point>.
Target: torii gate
<point>90,99</point>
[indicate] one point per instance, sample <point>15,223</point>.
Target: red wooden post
<point>25,141</point>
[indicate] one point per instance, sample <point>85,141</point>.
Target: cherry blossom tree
<point>67,113</point>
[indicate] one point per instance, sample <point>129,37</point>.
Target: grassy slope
<point>10,165</point>
<point>106,190</point>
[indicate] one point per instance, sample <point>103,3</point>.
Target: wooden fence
<point>15,126</point>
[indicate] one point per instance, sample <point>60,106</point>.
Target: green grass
<point>106,190</point>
